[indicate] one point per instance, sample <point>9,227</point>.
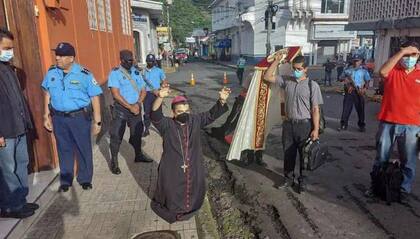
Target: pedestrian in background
<point>399,115</point>
<point>14,126</point>
<point>128,90</point>
<point>153,77</point>
<point>355,78</point>
<point>159,59</point>
<point>340,66</point>
<point>329,67</point>
<point>71,97</point>
<point>240,68</point>
<point>302,121</point>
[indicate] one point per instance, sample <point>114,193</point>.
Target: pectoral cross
<point>184,167</point>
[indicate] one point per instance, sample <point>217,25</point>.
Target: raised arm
<point>158,120</point>
<point>390,64</point>
<point>269,74</point>
<point>217,110</point>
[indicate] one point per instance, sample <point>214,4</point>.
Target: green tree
<point>185,15</point>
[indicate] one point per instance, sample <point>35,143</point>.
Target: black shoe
<point>288,182</point>
<point>369,194</point>
<point>32,206</point>
<point>404,197</point>
<point>63,188</point>
<point>24,212</point>
<point>114,168</point>
<point>250,157</point>
<point>142,159</point>
<point>362,129</point>
<point>146,133</point>
<point>342,128</point>
<point>86,186</point>
<point>259,159</point>
<point>301,186</point>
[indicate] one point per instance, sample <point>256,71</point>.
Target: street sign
<point>189,40</point>
<point>332,32</point>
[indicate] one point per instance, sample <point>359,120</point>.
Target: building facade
<point>98,29</point>
<point>316,25</point>
<point>146,17</point>
<point>393,21</point>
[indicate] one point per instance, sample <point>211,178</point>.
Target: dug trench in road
<point>333,206</point>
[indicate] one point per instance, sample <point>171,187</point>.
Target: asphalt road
<point>334,205</point>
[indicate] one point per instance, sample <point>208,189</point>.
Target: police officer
<point>356,80</point>
<point>128,89</point>
<point>153,77</point>
<point>71,98</point>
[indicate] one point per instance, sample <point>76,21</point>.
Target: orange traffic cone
<point>192,81</point>
<point>225,79</point>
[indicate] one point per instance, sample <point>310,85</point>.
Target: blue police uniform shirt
<point>117,79</point>
<point>154,77</point>
<point>359,75</point>
<point>73,91</point>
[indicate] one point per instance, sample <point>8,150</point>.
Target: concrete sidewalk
<point>117,207</point>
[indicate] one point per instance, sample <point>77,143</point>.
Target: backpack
<point>322,122</point>
<point>386,182</point>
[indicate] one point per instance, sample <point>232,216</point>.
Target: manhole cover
<point>158,235</point>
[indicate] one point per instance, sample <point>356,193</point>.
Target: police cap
<point>126,55</point>
<point>150,58</point>
<point>64,49</point>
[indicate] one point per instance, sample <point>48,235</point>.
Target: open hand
<point>164,91</point>
<point>2,142</point>
<point>224,94</point>
<point>48,123</point>
<point>96,129</point>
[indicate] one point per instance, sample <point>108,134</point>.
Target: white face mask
<point>6,55</point>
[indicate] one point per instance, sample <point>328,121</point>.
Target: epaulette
<point>85,71</point>
<point>115,68</point>
<point>52,67</point>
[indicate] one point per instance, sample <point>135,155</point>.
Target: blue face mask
<point>298,74</point>
<point>6,55</point>
<point>409,62</point>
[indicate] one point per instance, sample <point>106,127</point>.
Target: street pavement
<point>117,207</point>
<point>334,205</point>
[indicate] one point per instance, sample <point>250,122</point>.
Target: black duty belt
<point>75,113</point>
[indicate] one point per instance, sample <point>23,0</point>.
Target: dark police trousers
<point>120,118</point>
<point>148,103</point>
<point>295,133</point>
<point>350,99</point>
<point>73,136</point>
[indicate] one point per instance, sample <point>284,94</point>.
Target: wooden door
<point>21,18</point>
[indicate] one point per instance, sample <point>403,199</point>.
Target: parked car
<point>181,55</point>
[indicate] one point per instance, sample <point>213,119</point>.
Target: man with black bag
<point>302,101</point>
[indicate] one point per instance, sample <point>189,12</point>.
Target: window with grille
<point>332,6</point>
<point>92,17</point>
<point>125,17</point>
<point>108,15</point>
<point>101,15</point>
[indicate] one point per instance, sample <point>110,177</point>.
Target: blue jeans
<point>406,138</point>
<point>14,161</point>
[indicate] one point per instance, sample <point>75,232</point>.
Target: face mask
<point>409,62</point>
<point>182,118</point>
<point>298,74</point>
<point>127,64</point>
<point>6,55</point>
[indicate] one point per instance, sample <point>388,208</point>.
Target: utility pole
<point>240,27</point>
<point>269,26</point>
<point>168,4</point>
